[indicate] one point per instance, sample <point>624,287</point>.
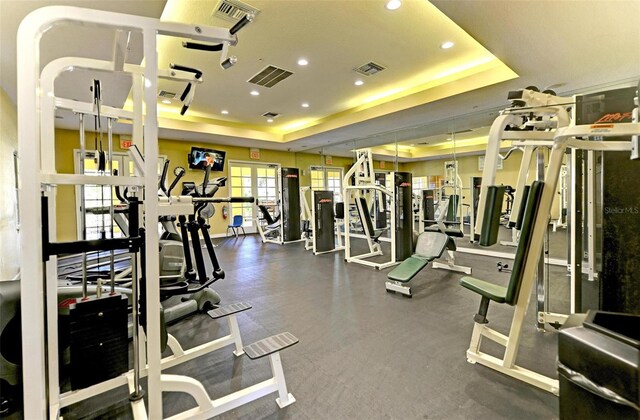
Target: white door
<point>248,179</point>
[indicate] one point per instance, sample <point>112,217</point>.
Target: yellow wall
<point>176,151</point>
<point>9,238</point>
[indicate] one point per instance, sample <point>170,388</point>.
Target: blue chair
<point>237,224</point>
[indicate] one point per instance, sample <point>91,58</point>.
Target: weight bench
<point>517,293</point>
<point>446,224</point>
<point>430,246</point>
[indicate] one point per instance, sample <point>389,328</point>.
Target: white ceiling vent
<point>270,114</point>
<point>233,10</point>
<point>270,76</point>
<point>369,68</point>
<point>166,94</point>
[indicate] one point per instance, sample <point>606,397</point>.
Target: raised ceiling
<point>335,38</point>
<point>578,46</point>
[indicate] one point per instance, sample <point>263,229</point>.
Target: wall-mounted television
<point>200,158</point>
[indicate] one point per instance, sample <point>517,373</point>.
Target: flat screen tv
<point>200,158</point>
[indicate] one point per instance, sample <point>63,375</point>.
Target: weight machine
<point>37,193</point>
<point>529,261</point>
<point>322,221</point>
<point>284,227</point>
<point>360,189</point>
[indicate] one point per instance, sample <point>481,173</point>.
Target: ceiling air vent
<point>233,10</point>
<point>270,76</point>
<point>166,94</point>
<point>270,114</point>
<point>370,68</point>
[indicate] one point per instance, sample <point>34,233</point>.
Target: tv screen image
<point>200,158</point>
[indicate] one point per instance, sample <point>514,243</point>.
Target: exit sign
<point>125,142</point>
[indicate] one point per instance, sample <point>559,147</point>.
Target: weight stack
<point>324,235</point>
<point>404,215</point>
<point>619,210</point>
<point>99,342</point>
<point>290,181</point>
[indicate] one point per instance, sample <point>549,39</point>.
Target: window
<point>327,178</point>
<point>97,198</point>
<point>419,183</point>
<point>241,187</point>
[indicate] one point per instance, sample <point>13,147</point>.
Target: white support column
<point>234,331</point>
<point>31,269</point>
<point>476,337</point>
<point>151,216</point>
<point>284,397</point>
<point>511,351</point>
<point>347,223</point>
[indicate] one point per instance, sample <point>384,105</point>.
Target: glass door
<point>248,179</point>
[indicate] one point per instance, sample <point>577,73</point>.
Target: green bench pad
<point>408,269</point>
<point>430,245</point>
<point>489,290</point>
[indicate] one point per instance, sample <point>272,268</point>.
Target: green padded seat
<point>408,269</point>
<point>489,290</point>
<point>430,246</point>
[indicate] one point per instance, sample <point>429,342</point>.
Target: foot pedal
<point>227,310</point>
<point>270,345</point>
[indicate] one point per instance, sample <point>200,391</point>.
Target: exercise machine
<point>285,226</point>
<point>38,181</point>
<point>360,189</point>
<point>322,221</point>
<point>534,226</point>
<point>326,235</point>
<point>429,246</point>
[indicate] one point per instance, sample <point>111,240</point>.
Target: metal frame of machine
<point>36,134</point>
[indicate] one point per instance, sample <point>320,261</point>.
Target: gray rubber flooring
<point>363,353</point>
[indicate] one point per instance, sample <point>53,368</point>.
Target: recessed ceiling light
<point>305,105</point>
<point>303,62</point>
<point>393,4</point>
<point>166,101</point>
<point>270,120</point>
<point>255,93</point>
<point>224,112</point>
<point>358,83</point>
<point>446,45</point>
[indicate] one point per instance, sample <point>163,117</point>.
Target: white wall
<point>9,240</point>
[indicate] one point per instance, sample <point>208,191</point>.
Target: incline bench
<point>430,246</point>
